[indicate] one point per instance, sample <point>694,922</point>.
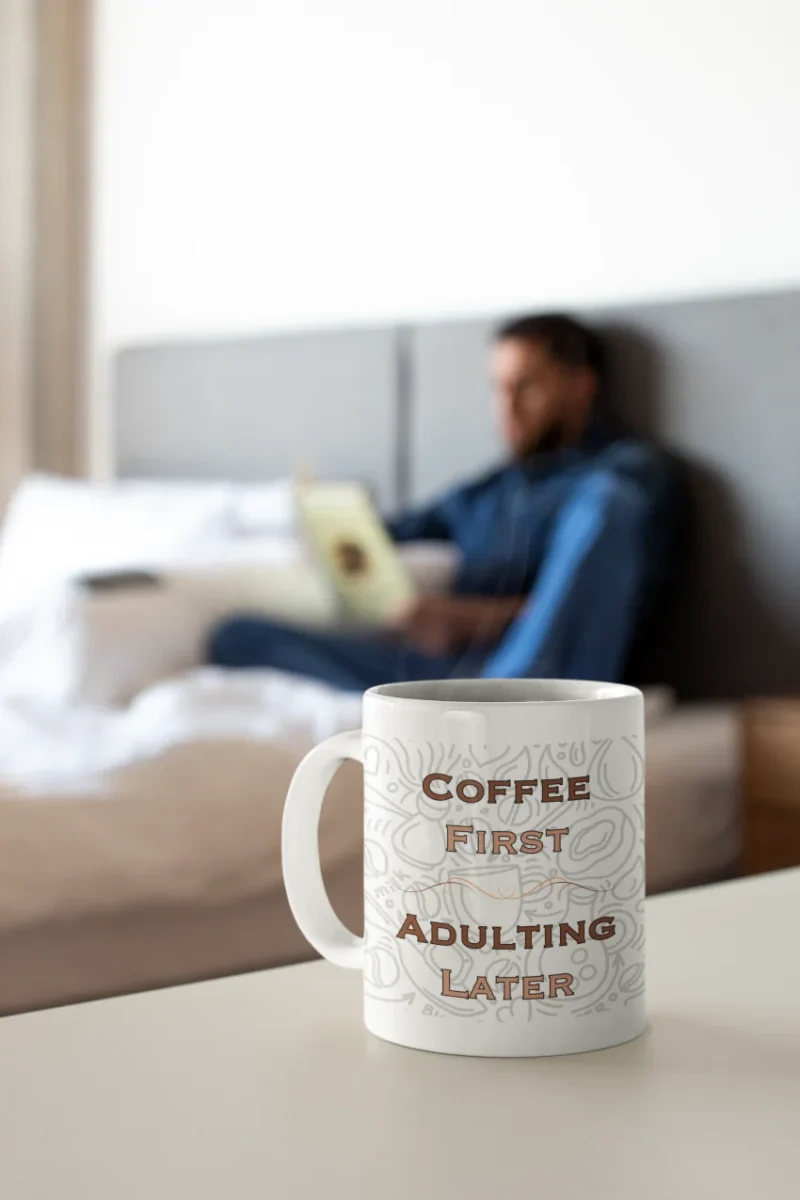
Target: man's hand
<point>439,625</point>
<point>433,624</point>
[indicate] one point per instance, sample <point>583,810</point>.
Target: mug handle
<point>302,871</point>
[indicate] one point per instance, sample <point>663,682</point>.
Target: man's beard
<point>551,438</point>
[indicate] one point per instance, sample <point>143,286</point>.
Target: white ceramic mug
<point>503,864</point>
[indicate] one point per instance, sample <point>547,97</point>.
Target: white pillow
<point>56,528</point>
<point>263,508</point>
<point>125,641</point>
<point>77,646</point>
<point>74,645</point>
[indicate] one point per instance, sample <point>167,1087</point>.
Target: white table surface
<point>267,1086</point>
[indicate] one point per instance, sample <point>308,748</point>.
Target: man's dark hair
<point>566,340</point>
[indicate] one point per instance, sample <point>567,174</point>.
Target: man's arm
<point>420,525</point>
<point>436,521</point>
<point>579,619</point>
<point>438,624</point>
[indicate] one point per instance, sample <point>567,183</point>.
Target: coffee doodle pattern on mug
<point>536,911</point>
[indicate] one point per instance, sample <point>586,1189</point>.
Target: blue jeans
<point>351,662</point>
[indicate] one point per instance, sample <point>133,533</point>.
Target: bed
<point>140,793</point>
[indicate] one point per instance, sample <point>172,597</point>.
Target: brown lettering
<point>461,790</point>
<point>578,787</point>
<point>550,790</point>
<point>481,942</point>
<point>503,839</point>
<point>442,934</point>
<point>456,835</point>
<point>481,987</point>
<point>577,935</point>
<point>556,835</point>
<point>411,926</point>
<point>602,928</point>
<point>528,931</point>
<point>498,787</point>
<point>448,991</point>
<point>531,841</point>
<point>523,788</point>
<point>497,944</point>
<point>561,983</point>
<point>427,787</point>
<point>530,987</point>
<point>508,982</point>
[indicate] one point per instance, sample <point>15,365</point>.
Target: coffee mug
<point>503,864</point>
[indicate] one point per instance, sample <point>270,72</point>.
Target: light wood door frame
<point>61,212</point>
<point>44,107</point>
<point>16,239</point>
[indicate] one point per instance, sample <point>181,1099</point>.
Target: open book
<point>353,547</point>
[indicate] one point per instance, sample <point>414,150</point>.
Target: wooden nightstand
<point>771,784</point>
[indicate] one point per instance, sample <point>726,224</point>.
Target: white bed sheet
<point>60,749</point>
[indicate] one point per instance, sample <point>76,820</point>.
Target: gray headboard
<point>408,411</point>
<point>254,408</point>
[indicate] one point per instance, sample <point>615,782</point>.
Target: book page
<point>353,546</point>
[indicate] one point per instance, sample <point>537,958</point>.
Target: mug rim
<point>572,691</point>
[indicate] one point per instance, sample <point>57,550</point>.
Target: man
<point>564,548</point>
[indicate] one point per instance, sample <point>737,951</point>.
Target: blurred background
<point>245,239</point>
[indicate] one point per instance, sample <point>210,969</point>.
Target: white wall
<point>287,162</point>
